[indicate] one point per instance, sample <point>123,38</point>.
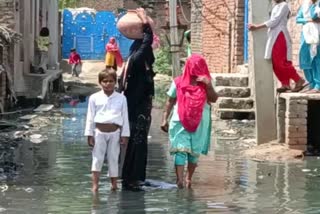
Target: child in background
<point>107,127</point>
<point>75,61</point>
<point>113,55</point>
<point>43,43</point>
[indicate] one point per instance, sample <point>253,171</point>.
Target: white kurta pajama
<point>107,110</point>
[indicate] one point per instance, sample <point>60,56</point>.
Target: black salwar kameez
<point>138,86</point>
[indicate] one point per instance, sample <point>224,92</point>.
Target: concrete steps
<point>231,79</point>
<point>235,92</point>
<point>235,98</point>
<point>235,103</point>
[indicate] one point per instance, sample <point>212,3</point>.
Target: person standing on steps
<point>137,84</point>
<point>309,54</point>
<point>278,47</point>
<point>189,129</point>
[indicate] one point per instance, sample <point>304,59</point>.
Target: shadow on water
<point>54,177</point>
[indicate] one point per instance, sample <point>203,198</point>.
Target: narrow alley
<point>54,176</point>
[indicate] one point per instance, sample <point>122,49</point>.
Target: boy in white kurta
<point>279,47</point>
<point>107,127</point>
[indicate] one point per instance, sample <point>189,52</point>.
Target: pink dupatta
<point>112,48</point>
<point>192,98</point>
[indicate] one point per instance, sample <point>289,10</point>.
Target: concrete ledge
<point>300,96</point>
<point>37,84</point>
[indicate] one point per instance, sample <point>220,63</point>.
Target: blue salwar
<point>309,65</point>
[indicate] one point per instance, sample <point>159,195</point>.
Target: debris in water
<point>44,107</point>
<point>4,188</point>
<point>28,190</point>
<point>216,205</point>
<point>159,184</point>
<point>37,138</point>
<point>28,117</point>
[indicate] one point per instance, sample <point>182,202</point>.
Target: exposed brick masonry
<point>222,42</point>
<point>7,13</point>
<point>6,19</point>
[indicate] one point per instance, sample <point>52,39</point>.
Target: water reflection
<point>54,177</point>
<point>119,202</point>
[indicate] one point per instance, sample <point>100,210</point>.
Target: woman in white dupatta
<point>279,47</point>
<point>309,54</point>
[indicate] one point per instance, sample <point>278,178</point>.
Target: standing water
<point>54,177</point>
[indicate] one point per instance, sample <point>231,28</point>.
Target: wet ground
<point>53,176</point>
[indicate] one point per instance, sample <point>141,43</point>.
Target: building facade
<point>218,32</point>
<point>27,18</point>
<point>222,29</point>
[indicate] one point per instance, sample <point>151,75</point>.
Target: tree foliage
<point>67,4</point>
<point>163,61</point>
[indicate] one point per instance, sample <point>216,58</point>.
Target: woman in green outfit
<point>189,129</point>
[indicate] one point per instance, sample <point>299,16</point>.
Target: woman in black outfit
<point>138,86</point>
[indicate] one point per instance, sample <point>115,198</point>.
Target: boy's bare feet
<point>95,188</point>
<point>114,185</point>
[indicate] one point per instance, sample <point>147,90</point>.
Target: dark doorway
<point>313,124</point>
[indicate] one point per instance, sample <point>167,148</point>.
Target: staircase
<point>235,97</point>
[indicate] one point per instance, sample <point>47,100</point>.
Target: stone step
<point>240,114</point>
<point>229,91</point>
<point>230,79</point>
<point>235,103</point>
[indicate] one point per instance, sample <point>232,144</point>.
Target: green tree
<point>67,4</point>
<point>163,60</point>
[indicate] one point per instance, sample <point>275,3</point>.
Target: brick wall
<point>222,32</point>
<point>6,19</point>
<point>101,4</point>
<point>295,30</point>
<point>7,13</point>
<point>222,41</point>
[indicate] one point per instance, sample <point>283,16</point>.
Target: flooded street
<point>54,177</point>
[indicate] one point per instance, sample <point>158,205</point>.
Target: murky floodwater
<point>55,178</point>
